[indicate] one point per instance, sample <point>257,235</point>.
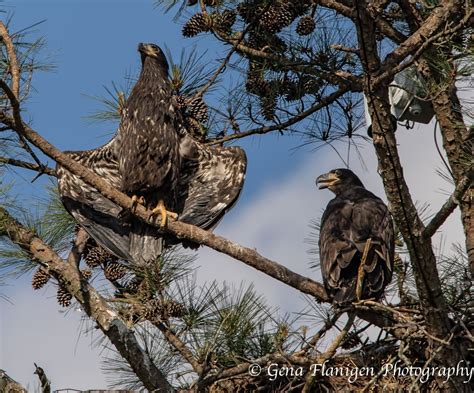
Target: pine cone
<point>97,256</point>
<point>248,10</point>
<point>195,129</point>
<point>181,102</point>
<point>153,310</point>
<point>86,273</point>
<point>197,24</point>
<point>174,309</point>
<point>306,25</point>
<point>63,296</point>
<point>224,21</point>
<point>276,18</point>
<point>268,106</point>
<point>114,271</point>
<point>156,309</point>
<point>40,278</point>
<point>197,108</point>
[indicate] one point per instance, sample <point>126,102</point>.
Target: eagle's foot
<point>161,210</point>
<point>137,200</point>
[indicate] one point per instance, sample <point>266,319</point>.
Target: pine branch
<point>93,303</point>
<point>323,102</point>
<point>180,346</point>
<point>450,205</point>
<point>28,165</point>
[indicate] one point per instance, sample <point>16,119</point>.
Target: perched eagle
<point>210,183</point>
<point>147,147</point>
<point>351,218</point>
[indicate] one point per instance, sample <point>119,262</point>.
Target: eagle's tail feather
<point>146,244</point>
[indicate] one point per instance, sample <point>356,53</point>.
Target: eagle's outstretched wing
<point>95,213</point>
<point>212,179</point>
<point>210,183</point>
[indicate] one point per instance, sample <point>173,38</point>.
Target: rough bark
<point>458,142</point>
<point>402,207</point>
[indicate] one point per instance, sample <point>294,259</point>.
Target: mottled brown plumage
<point>352,217</point>
<point>201,183</point>
<point>147,147</point>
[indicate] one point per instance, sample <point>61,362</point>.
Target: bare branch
<point>330,351</point>
<point>13,66</point>
<point>179,229</point>
<point>278,127</point>
<point>74,257</point>
<point>28,165</point>
<point>415,45</point>
<point>450,205</point>
<point>180,346</point>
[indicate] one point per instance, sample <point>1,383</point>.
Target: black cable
<point>439,150</point>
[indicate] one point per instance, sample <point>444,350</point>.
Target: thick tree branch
<point>389,68</point>
<point>403,209</point>
<point>179,229</point>
<point>94,305</point>
<point>450,205</point>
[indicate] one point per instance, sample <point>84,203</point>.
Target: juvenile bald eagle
<point>350,219</point>
<point>210,183</point>
<point>147,147</point>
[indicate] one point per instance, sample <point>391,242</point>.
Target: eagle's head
<point>153,51</point>
<point>338,180</point>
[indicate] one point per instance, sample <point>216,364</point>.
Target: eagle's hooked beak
<point>147,50</point>
<point>327,180</point>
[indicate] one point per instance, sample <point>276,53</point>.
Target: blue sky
<point>94,43</point>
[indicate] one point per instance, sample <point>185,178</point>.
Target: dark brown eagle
<point>147,148</point>
<point>209,185</point>
<point>350,219</point>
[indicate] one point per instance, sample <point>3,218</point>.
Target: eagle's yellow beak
<point>327,180</point>
<point>147,50</point>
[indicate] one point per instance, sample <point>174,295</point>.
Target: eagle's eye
<point>338,172</point>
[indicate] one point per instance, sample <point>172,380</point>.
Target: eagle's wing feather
<point>210,183</point>
<point>96,214</point>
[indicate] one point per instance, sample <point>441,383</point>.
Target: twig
<point>278,127</point>
<point>13,66</point>
<point>180,346</point>
<point>45,384</point>
<point>28,165</point>
<point>330,351</point>
<point>361,270</point>
<point>416,45</point>
<point>314,340</point>
<point>74,257</point>
<point>449,206</point>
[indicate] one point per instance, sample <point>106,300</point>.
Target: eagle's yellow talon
<point>137,200</point>
<point>161,210</point>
